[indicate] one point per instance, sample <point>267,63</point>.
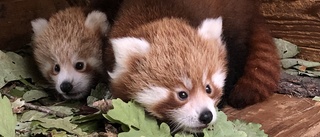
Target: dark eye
<point>208,89</point>
<point>79,66</point>
<point>182,95</point>
<point>56,68</point>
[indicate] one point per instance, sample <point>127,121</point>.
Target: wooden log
<point>282,116</point>
<point>15,17</point>
<point>297,21</point>
<point>286,114</point>
<point>299,86</point>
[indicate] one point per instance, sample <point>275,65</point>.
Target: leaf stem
<point>32,106</point>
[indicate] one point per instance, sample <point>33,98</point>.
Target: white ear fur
<point>123,49</point>
<point>38,25</point>
<point>97,20</point>
<point>211,28</point>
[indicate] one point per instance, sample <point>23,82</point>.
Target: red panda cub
<point>176,57</point>
<point>68,49</point>
<point>175,71</point>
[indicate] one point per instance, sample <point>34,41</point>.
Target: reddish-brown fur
<point>64,40</point>
<point>159,60</point>
<point>157,34</point>
<point>261,72</point>
<point>252,58</point>
<point>160,52</point>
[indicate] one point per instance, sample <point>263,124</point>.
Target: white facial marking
<point>97,20</point>
<point>218,78</point>
<point>38,25</point>
<point>123,49</point>
<point>94,62</point>
<point>79,81</point>
<point>47,67</point>
<point>187,117</point>
<point>211,29</point>
<point>187,82</point>
<point>151,96</point>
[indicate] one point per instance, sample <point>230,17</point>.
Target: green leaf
<point>88,123</point>
<point>61,123</point>
<point>23,129</point>
<point>136,123</point>
<point>285,48</point>
<point>288,63</point>
<point>237,128</point>
<point>100,92</point>
<point>42,123</point>
<point>82,119</point>
<point>18,103</point>
<point>251,129</point>
<point>316,98</point>
<point>181,134</point>
<point>65,109</point>
<point>310,73</point>
<point>34,95</point>
<point>36,129</point>
<point>31,115</point>
<point>133,116</point>
<point>13,67</point>
<point>163,131</point>
<point>292,72</point>
<point>18,92</point>
<point>8,119</point>
<point>90,126</point>
<point>223,128</point>
<point>55,133</point>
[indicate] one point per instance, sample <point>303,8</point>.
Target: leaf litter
<point>293,66</point>
<point>8,119</point>
<point>129,119</point>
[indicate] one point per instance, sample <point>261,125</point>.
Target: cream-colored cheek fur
<point>151,96</point>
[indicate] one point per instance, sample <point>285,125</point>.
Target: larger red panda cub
<point>165,67</point>
<point>176,57</point>
<point>68,49</point>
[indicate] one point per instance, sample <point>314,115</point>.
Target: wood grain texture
<point>282,116</point>
<point>15,17</point>
<point>297,21</point>
<point>299,86</point>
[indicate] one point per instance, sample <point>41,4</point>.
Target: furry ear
<point>38,25</point>
<point>123,49</point>
<point>211,29</point>
<point>97,21</point>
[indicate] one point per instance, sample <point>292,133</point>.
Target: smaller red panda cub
<point>68,49</point>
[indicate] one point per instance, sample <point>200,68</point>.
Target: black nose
<point>205,117</point>
<point>66,87</point>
